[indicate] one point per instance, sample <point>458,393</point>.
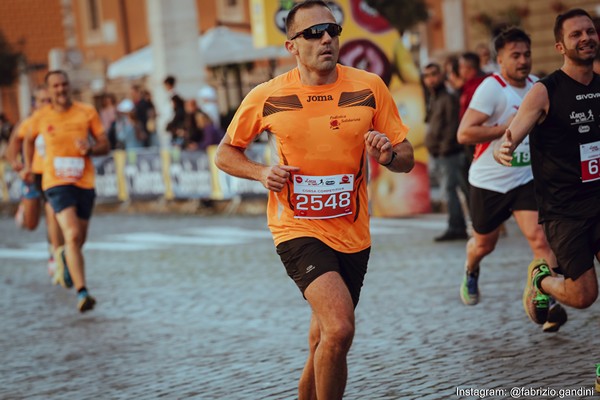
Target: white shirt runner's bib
<point>322,197</point>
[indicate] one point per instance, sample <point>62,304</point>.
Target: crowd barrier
<point>172,174</point>
<point>152,173</point>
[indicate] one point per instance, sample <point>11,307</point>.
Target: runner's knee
<point>584,294</point>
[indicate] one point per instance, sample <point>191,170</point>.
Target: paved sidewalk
<point>201,308</point>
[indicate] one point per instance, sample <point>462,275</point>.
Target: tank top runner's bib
<point>566,149</point>
<point>320,129</point>
<point>496,98</point>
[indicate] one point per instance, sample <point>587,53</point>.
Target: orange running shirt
<point>321,130</point>
<point>37,164</point>
<point>63,163</point>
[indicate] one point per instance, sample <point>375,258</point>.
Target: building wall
<point>537,18</point>
<point>33,30</point>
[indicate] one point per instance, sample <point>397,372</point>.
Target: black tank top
<point>566,186</point>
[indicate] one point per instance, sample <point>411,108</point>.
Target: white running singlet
<point>499,100</point>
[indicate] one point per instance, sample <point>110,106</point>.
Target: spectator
<point>144,113</point>
<point>5,130</point>
<point>208,102</point>
<point>108,116</point>
<point>201,132</point>
<point>177,122</point>
<point>488,64</point>
<point>129,130</point>
<point>454,82</point>
<point>469,69</point>
<point>447,161</point>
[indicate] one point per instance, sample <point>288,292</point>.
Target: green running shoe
<point>469,289</point>
<point>598,378</point>
<point>536,303</point>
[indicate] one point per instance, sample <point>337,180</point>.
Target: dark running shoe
<point>62,276</point>
<point>557,317</point>
<point>469,289</point>
<point>449,236</point>
<point>85,302</point>
<point>536,303</point>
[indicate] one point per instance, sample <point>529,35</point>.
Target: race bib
<point>590,161</point>
<point>40,146</point>
<point>521,155</point>
<point>69,168</point>
<point>322,197</point>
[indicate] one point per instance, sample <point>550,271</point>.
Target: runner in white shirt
<point>497,192</point>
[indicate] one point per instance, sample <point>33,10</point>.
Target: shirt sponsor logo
<point>584,128</point>
<point>581,117</point>
<point>587,96</point>
<point>312,99</point>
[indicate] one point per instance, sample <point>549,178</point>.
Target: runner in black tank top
<point>564,113</point>
<point>568,186</point>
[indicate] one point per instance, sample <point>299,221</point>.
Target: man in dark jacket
<point>447,156</point>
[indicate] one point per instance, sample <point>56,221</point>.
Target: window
<point>94,15</point>
<point>231,11</point>
<point>92,24</point>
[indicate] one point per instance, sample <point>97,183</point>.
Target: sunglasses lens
<point>317,31</point>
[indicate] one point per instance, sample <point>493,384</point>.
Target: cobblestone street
<point>201,308</point>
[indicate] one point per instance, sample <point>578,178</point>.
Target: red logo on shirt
<point>345,179</point>
<point>298,179</point>
<point>334,124</point>
<point>50,129</point>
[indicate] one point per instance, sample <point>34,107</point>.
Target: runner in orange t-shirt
<point>325,120</point>
<point>28,214</point>
<point>68,178</point>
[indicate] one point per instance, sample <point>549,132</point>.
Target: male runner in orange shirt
<point>325,120</point>
<point>32,195</point>
<point>68,179</point>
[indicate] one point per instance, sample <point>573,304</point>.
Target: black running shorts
<point>575,243</point>
<point>61,197</point>
<point>490,209</point>
<point>307,258</point>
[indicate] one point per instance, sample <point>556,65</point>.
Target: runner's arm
<point>403,157</point>
<point>15,144</point>
<point>233,160</point>
<point>100,146</point>
<point>28,149</point>
<point>532,111</point>
<point>472,131</point>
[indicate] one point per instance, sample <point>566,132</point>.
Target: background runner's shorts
<point>30,191</point>
<point>37,178</point>
<point>490,209</point>
<point>575,243</point>
<point>61,197</point>
<point>307,258</point>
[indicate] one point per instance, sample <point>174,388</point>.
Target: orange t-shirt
<point>37,164</point>
<point>321,130</point>
<point>63,163</point>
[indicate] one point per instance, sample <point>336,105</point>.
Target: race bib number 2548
<point>322,197</point>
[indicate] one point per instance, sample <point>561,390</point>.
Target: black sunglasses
<point>317,31</point>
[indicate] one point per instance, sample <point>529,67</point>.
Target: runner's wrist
<point>391,160</point>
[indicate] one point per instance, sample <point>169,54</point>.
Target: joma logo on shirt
<point>310,99</point>
<point>587,96</point>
